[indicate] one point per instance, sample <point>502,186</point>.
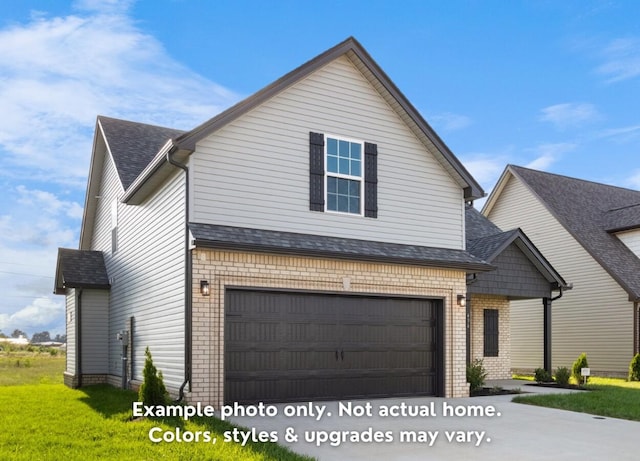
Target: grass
<point>30,367</point>
<point>49,421</point>
<point>610,397</point>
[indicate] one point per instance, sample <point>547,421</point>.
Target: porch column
<point>546,303</point>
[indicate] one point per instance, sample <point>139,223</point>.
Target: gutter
<point>187,280</point>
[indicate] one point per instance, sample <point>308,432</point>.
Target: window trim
<point>361,178</point>
<point>493,314</point>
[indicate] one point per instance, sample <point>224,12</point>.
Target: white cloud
<point>485,168</point>
<point>622,134</point>
<point>40,314</point>
<point>449,121</point>
<point>569,114</point>
<point>621,60</point>
<point>548,154</point>
<point>59,73</point>
<point>48,202</point>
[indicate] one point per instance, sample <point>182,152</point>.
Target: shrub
<point>634,368</point>
<point>578,365</point>
<point>152,390</point>
<point>542,376</point>
<point>562,376</point>
<point>476,375</point>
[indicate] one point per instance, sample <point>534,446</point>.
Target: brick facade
<point>497,367</point>
<point>243,269</point>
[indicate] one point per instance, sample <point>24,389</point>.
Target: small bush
<point>578,365</point>
<point>542,376</point>
<point>476,375</point>
<point>26,363</point>
<point>562,376</point>
<point>152,390</point>
<point>634,368</point>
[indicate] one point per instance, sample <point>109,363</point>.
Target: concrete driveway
<point>479,428</point>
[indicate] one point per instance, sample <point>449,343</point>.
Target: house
<point>19,341</point>
<point>590,232</point>
<point>306,243</point>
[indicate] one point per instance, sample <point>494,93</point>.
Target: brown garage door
<point>302,346</point>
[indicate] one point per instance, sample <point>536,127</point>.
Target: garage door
<point>302,346</point>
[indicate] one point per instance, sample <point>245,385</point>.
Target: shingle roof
<point>80,269</point>
<point>624,218</point>
<point>133,145</point>
<point>477,225</point>
<point>227,237</point>
<point>486,247</point>
<point>486,241</point>
<point>588,210</point>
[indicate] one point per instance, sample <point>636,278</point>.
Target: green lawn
<point>30,367</point>
<point>615,398</point>
<point>48,421</point>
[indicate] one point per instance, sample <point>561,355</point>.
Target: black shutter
<point>491,333</point>
<point>370,180</point>
<point>316,171</point>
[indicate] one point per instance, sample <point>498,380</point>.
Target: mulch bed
<point>488,391</point>
<point>574,387</point>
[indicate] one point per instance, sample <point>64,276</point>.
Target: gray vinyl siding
<point>632,240</point>
<point>95,321</point>
<point>70,314</point>
<point>254,172</point>
<point>514,277</point>
<point>595,317</point>
<point>146,274</point>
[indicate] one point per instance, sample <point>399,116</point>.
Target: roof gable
<point>379,80</point>
<point>130,146</point>
<point>589,211</point>
<point>80,269</point>
<point>488,242</point>
<point>133,145</point>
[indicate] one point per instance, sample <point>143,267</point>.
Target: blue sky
<point>553,85</point>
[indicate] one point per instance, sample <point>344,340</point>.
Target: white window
<point>344,175</point>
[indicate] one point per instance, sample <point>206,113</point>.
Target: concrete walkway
<point>480,428</point>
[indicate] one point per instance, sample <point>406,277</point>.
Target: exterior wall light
<point>204,288</point>
<point>462,301</point>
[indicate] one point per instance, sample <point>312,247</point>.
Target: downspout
<point>187,279</point>
<point>636,328</point>
<point>79,337</point>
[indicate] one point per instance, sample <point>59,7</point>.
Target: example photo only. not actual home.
<point>316,240</point>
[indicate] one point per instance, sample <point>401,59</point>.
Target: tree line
<point>41,337</point>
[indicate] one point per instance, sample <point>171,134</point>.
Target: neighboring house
<point>307,243</point>
<point>522,272</point>
<point>19,341</point>
<point>591,233</point>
